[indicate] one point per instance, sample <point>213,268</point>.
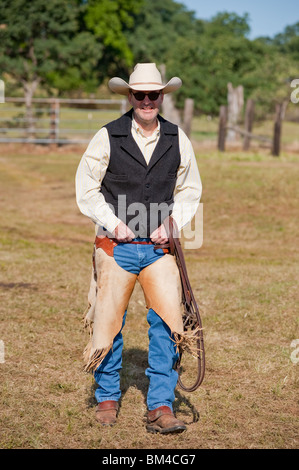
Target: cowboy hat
<point>145,77</point>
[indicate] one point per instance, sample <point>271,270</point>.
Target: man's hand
<point>123,233</point>
<point>159,236</point>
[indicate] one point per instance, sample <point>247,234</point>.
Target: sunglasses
<point>140,95</point>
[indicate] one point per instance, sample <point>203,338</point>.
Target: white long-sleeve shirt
<point>94,163</point>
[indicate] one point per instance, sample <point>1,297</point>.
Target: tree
<point>268,82</point>
<point>288,41</point>
<point>221,53</point>
<point>111,22</point>
<point>226,23</point>
<point>207,61</point>
<point>64,45</point>
<point>40,44</point>
<point>157,28</point>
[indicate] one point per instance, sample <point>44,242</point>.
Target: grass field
<point>245,278</point>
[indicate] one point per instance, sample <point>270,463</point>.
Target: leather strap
<point>188,299</point>
<point>107,244</point>
<point>141,242</point>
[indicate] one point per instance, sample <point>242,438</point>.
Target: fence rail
<point>56,121</point>
<point>274,142</point>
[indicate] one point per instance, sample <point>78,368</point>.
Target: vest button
<point>147,185</point>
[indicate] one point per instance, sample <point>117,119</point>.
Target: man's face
<point>146,105</point>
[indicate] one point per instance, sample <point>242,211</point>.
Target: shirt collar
<point>139,130</point>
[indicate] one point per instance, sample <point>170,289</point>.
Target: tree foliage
<point>111,22</point>
<point>157,28</point>
<point>287,42</point>
<point>64,44</point>
<point>40,45</point>
<point>76,45</point>
<point>222,53</point>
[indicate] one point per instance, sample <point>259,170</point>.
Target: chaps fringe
<point>94,360</point>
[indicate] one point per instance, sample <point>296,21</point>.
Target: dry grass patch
<point>245,278</point>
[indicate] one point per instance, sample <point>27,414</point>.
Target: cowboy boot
<point>106,412</point>
<point>163,420</point>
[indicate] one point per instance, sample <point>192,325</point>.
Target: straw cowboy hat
<point>145,77</point>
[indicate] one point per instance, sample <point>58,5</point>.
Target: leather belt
<point>107,244</point>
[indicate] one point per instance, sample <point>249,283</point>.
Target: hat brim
<point>118,85</point>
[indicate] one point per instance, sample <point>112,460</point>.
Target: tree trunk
<point>29,90</point>
<point>222,128</point>
<point>188,115</point>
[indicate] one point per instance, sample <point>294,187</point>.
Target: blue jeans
<point>162,354</point>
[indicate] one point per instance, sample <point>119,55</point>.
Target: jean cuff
<point>113,398</point>
<point>151,408</point>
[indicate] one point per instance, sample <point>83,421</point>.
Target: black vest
<point>141,195</point>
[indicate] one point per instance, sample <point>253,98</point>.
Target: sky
<point>267,17</point>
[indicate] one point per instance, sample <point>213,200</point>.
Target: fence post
<point>188,115</point>
<point>235,100</point>
<point>54,120</point>
<point>30,123</point>
<point>222,128</point>
<point>279,115</point>
<point>249,113</point>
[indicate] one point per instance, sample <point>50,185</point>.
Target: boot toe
<point>162,420</point>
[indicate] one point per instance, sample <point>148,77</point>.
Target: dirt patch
<point>17,285</point>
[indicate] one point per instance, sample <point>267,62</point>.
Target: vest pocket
<point>114,177</point>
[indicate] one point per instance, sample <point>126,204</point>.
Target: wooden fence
<point>274,142</point>
<point>55,121</point>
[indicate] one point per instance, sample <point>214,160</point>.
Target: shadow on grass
<point>132,374</point>
<point>183,405</point>
<point>134,363</point>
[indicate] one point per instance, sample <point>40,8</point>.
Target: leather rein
<point>191,316</point>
